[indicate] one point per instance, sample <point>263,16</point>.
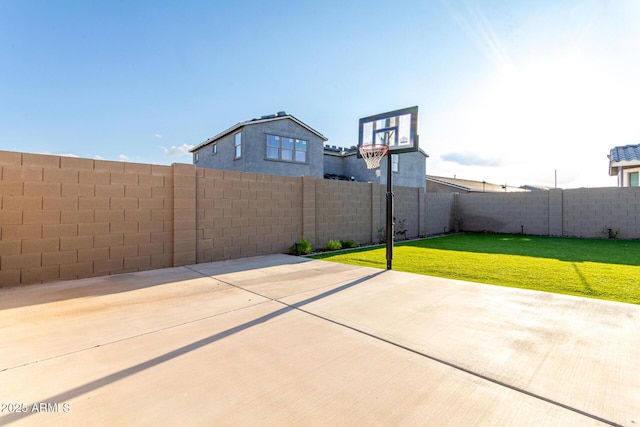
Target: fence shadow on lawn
<point>569,249</point>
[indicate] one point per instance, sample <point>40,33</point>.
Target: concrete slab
<point>282,340</point>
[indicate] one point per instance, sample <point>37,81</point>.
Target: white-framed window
<point>196,157</point>
<point>214,149</point>
<point>630,177</point>
<point>395,163</point>
<point>238,144</point>
<point>287,149</point>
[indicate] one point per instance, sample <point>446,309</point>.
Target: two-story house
<point>624,162</point>
<point>277,144</point>
<point>280,144</point>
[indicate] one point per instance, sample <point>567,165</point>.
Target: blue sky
<point>509,92</point>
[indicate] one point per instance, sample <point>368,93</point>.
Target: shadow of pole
<point>583,280</point>
<point>124,373</point>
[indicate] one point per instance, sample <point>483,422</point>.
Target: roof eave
<point>255,122</point>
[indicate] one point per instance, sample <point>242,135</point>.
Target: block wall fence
<point>584,212</point>
<point>68,218</point>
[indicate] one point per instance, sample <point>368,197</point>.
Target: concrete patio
<point>281,340</point>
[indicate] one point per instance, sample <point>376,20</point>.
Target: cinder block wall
<point>438,213</point>
<point>584,212</point>
<point>245,214</point>
<point>344,211</point>
<point>408,207</point>
<point>589,212</point>
<point>504,212</point>
<point>68,218</point>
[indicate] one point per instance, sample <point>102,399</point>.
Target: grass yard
<point>594,268</point>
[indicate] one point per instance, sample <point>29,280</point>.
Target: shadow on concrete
<point>44,293</point>
<point>124,373</point>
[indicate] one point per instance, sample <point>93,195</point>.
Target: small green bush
<point>347,243</point>
<point>401,229</point>
<point>303,247</point>
<point>333,245</point>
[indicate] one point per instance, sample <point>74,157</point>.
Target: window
<point>288,149</point>
<point>238,145</point>
<point>214,149</point>
<point>196,157</point>
<point>395,163</point>
<point>633,179</point>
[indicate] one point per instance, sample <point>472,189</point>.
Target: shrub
<point>347,243</point>
<point>401,228</point>
<point>333,245</point>
<point>610,232</point>
<point>303,247</point>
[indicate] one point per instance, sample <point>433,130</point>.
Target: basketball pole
<point>390,219</point>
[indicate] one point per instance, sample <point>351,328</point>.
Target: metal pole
<point>390,218</point>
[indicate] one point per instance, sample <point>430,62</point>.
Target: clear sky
<point>509,91</point>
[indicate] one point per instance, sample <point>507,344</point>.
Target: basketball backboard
<point>397,129</point>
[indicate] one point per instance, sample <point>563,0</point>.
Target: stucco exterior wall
<point>412,169</point>
<point>333,164</point>
<point>254,151</point>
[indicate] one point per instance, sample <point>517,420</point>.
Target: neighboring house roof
<point>626,155</point>
<point>332,150</point>
<point>270,118</point>
<point>473,186</point>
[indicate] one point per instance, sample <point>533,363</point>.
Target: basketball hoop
<point>373,153</point>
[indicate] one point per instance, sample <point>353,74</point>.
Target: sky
<point>524,92</point>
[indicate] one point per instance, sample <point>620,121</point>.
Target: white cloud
<point>123,158</point>
<point>55,154</point>
<point>177,151</point>
<point>98,157</point>
<point>468,158</point>
<point>159,136</point>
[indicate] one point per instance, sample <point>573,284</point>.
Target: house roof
<point>269,118</point>
<point>473,186</point>
<point>626,152</point>
<point>625,155</point>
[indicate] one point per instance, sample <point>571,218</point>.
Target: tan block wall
<point>409,206</point>
<point>69,218</point>
<point>504,212</point>
<point>439,213</point>
<point>584,212</point>
<point>589,212</point>
<point>343,211</point>
<point>245,214</point>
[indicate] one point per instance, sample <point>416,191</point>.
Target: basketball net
<point>373,153</point>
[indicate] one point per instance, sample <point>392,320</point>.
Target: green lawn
<point>595,268</point>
